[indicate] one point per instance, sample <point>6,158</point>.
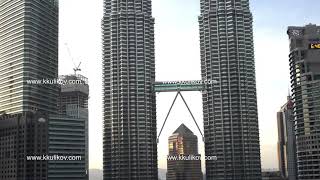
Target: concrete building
<point>305,83</point>
<point>22,135</point>
<point>287,158</point>
<point>129,143</point>
<point>68,131</point>
<point>28,51</point>
<point>183,143</point>
<point>229,106</point>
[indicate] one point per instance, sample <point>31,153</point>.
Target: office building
<point>129,142</point>
<point>183,143</point>
<point>304,60</point>
<point>68,130</point>
<point>28,51</point>
<point>39,134</point>
<point>28,85</point>
<point>229,106</point>
<point>23,135</point>
<point>287,142</point>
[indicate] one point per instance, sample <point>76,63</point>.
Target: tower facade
<point>28,55</point>
<point>230,106</point>
<point>305,82</point>
<point>183,144</point>
<point>130,147</point>
<point>287,141</point>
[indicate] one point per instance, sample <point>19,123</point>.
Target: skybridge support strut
<point>194,120</point>
<point>185,102</point>
<point>167,116</point>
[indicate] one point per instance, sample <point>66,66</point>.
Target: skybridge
<point>179,86</point>
<point>175,86</point>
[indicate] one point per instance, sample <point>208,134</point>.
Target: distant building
<point>69,130</point>
<point>271,175</point>
<point>183,143</point>
<point>22,135</point>
<point>305,83</point>
<point>287,141</point>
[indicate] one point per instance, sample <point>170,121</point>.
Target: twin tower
<point>229,106</point>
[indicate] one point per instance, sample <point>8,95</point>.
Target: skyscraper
<point>287,141</point>
<point>130,147</point>
<point>305,83</point>
<point>28,51</point>
<point>184,144</point>
<point>229,106</point>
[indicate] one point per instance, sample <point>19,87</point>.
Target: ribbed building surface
<point>229,106</point>
<point>28,51</point>
<point>130,149</point>
<point>305,83</point>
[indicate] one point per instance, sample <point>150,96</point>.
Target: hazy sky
<point>178,58</point>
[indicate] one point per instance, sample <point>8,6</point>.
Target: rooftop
<point>183,130</point>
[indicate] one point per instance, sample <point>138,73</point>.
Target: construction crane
<point>76,68</point>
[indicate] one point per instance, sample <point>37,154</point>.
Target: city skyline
<point>259,56</point>
<point>230,119</point>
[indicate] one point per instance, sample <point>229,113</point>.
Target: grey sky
<point>178,58</point>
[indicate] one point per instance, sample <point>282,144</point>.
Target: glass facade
<point>28,51</point>
<point>68,137</point>
<point>183,143</point>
